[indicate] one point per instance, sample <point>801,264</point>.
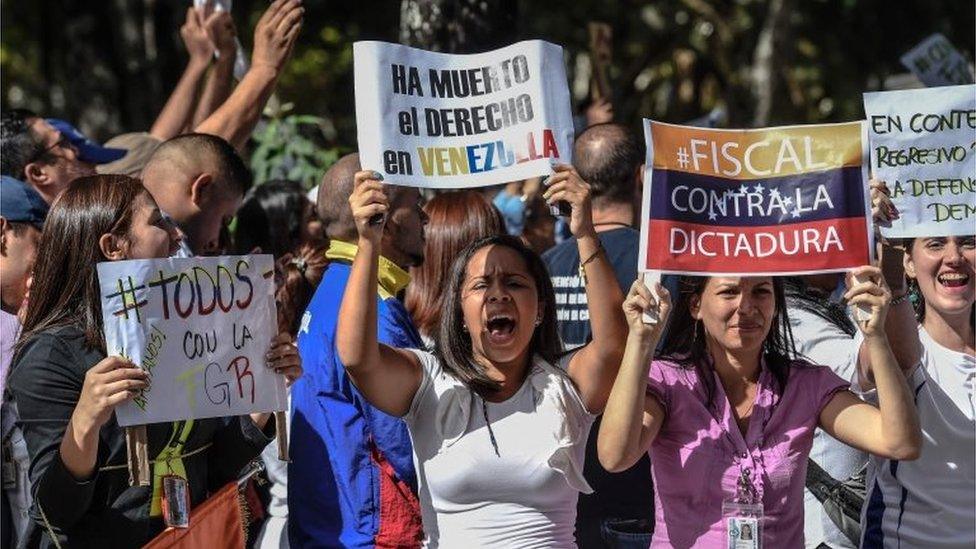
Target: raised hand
<point>222,32</point>
<point>195,37</point>
<point>369,205</point>
<point>639,301</point>
<point>275,34</point>
<point>869,289</point>
<point>109,383</point>
<point>284,359</point>
<point>566,185</point>
<point>882,209</point>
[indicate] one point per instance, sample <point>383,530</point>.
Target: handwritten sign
<point>200,327</point>
<point>936,63</point>
<point>923,145</point>
<point>452,121</point>
<point>788,200</point>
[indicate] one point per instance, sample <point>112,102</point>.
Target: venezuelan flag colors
<point>788,200</point>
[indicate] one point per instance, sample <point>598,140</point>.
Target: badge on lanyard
<point>176,502</point>
<point>743,515</point>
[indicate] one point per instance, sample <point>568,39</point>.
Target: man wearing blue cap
<point>22,213</point>
<point>33,151</point>
<point>88,150</point>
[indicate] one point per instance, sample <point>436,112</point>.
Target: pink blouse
<point>697,456</point>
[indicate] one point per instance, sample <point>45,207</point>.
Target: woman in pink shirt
<point>728,412</point>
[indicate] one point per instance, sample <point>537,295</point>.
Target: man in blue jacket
<point>351,481</point>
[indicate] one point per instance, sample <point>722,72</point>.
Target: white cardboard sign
<point>923,146</point>
<point>201,328</point>
<point>439,120</point>
<point>936,63</point>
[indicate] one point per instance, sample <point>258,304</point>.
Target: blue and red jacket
<point>351,480</point>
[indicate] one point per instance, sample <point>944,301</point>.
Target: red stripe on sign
<point>833,244</point>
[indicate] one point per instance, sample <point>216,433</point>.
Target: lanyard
<point>169,462</point>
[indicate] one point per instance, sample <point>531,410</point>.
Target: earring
<point>538,321</point>
<point>464,327</point>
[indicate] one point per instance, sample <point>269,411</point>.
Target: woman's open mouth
<point>500,329</point>
<point>953,281</point>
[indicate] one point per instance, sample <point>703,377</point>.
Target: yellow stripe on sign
<point>756,154</point>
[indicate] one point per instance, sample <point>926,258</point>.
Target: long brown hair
<point>300,273</point>
<point>65,287</point>
<point>456,219</point>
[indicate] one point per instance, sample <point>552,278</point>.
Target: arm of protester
<point>594,367</point>
<point>901,327</point>
<point>633,417</point>
<point>600,111</point>
<point>892,430</point>
<point>284,359</point>
<point>386,376</point>
<point>61,412</point>
<point>179,107</point>
<point>220,28</point>
<point>274,38</point>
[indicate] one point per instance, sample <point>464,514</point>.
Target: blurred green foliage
<point>292,147</point>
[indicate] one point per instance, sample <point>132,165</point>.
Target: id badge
<point>743,525</point>
<point>176,502</point>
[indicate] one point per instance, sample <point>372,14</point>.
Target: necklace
<point>612,223</point>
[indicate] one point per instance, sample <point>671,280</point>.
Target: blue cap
<point>88,150</point>
<point>20,203</point>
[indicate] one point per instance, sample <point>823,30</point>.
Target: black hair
<point>813,300</point>
<point>607,156</point>
<point>453,344</point>
<point>272,218</point>
<point>684,340</point>
<point>18,144</point>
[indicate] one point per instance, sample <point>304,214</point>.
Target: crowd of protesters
<point>469,371</point>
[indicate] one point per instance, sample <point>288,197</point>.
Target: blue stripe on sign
<point>873,534</point>
<point>709,200</point>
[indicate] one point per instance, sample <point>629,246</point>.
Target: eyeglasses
<point>63,142</point>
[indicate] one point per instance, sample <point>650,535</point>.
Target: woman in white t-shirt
<point>497,417</point>
<point>931,502</point>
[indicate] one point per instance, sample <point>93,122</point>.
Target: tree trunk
<point>770,59</point>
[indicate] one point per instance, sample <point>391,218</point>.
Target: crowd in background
<point>472,370</point>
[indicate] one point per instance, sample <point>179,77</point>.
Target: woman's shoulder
<point>62,348</point>
<point>673,371</point>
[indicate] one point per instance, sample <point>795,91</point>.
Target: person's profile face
<point>407,219</point>
<point>150,236</point>
<point>17,256</point>
<point>216,212</point>
<point>60,158</point>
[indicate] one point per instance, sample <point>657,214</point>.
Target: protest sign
<point>200,327</point>
<point>787,200</point>
<point>923,146</point>
<point>936,63</point>
<point>451,121</point>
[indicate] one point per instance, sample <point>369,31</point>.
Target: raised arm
<point>176,114</point>
<point>900,326</point>
<point>387,377</point>
<point>633,418</point>
<point>891,430</point>
<point>220,28</point>
<point>594,367</point>
<point>274,38</point>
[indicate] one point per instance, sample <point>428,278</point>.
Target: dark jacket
<point>104,511</point>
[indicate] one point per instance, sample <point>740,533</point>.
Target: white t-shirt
<point>524,495</point>
<point>930,502</point>
<point>824,343</point>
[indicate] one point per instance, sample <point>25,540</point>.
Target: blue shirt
<point>334,482</point>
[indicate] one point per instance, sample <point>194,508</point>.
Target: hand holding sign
<point>867,289</point>
<point>641,302</point>
<point>111,382</point>
<point>284,359</point>
<point>369,205</point>
<point>567,186</point>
